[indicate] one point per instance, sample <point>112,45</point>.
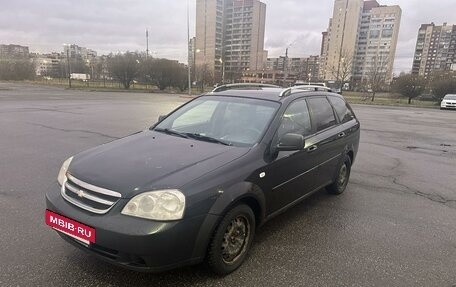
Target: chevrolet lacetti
<point>196,185</point>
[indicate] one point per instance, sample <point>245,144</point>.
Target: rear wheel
<point>232,240</point>
<point>342,177</point>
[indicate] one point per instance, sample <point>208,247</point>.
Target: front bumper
<point>447,106</point>
<point>137,243</point>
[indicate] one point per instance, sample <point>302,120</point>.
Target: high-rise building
<point>229,36</point>
<point>324,51</point>
<point>75,52</point>
<point>377,41</point>
<point>435,49</point>
<point>14,51</point>
<point>342,36</point>
<point>191,52</point>
<point>361,35</point>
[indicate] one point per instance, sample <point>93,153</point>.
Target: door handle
<point>312,148</point>
<point>341,135</point>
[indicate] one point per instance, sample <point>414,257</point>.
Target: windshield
<point>450,97</point>
<point>222,120</point>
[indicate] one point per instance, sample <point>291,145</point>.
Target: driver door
<point>292,173</point>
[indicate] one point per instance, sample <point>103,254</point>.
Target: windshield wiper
<point>201,137</point>
<point>171,132</point>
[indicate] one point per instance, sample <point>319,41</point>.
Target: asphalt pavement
<point>394,226</point>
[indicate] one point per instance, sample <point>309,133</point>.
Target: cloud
<point>116,25</point>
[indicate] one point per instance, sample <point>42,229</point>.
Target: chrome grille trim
<point>88,194</point>
<point>93,187</point>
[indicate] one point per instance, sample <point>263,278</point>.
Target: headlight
<point>63,170</point>
<point>168,204</point>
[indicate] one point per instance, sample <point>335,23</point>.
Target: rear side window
<point>343,112</point>
<point>321,113</point>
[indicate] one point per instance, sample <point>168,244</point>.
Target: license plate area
<point>81,232</point>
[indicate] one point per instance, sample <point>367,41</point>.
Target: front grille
<point>89,197</point>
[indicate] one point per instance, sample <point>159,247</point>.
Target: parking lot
<point>394,226</point>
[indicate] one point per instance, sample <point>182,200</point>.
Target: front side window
<point>219,119</point>
<point>296,119</point>
<point>322,114</point>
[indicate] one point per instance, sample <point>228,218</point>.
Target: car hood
<point>150,160</point>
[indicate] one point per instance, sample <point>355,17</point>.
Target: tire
<point>224,255</point>
<point>342,177</point>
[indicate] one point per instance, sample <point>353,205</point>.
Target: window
<point>296,119</point>
<point>343,112</point>
<point>321,113</point>
<point>387,33</point>
<point>198,115</point>
<point>374,34</point>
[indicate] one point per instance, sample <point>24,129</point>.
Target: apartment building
<point>304,68</point>
<point>342,36</point>
<point>12,51</point>
<point>361,36</point>
<point>435,49</point>
<point>377,41</point>
<point>74,52</point>
<point>50,64</point>
<point>229,36</point>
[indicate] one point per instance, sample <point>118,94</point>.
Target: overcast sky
<point>119,25</point>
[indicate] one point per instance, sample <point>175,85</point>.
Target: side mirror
<point>161,118</point>
<point>291,142</point>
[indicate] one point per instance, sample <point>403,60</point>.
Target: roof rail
<point>308,88</point>
<point>242,85</point>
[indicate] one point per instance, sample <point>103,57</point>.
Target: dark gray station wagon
<point>197,184</point>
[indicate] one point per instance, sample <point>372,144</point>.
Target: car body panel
<point>141,162</point>
<point>448,102</point>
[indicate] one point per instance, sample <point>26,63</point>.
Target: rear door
<point>327,146</point>
<point>347,119</point>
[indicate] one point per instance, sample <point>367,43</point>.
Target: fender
<point>237,192</point>
<point>230,197</point>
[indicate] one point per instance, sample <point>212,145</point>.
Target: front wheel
<point>232,240</point>
<point>342,177</point>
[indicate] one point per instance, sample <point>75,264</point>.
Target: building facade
<point>14,52</point>
<point>50,65</point>
<point>342,36</point>
<point>229,37</point>
<point>361,37</point>
<point>303,69</point>
<point>435,49</point>
<point>377,41</point>
<point>76,52</point>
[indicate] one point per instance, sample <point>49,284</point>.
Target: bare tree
<point>166,73</point>
<point>342,72</point>
<point>409,86</point>
<point>377,74</point>
<point>204,76</point>
<point>443,83</point>
<point>17,69</point>
<point>124,67</point>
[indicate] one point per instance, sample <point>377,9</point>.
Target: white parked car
<point>448,102</point>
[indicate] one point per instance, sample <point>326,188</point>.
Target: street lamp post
<point>188,52</point>
<point>223,70</point>
<point>68,64</point>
